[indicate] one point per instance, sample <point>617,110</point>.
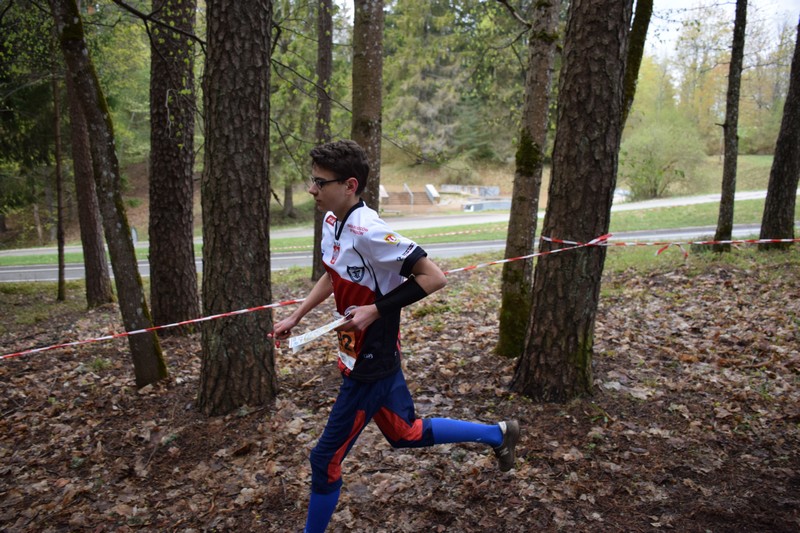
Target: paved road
<point>284,260</point>
<point>403,223</point>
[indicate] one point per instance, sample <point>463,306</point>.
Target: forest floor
<point>694,423</point>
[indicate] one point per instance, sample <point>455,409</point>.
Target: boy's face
<point>331,194</point>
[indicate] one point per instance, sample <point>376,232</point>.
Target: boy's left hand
<point>360,318</point>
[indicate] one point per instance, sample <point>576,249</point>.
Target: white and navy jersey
<point>366,259</point>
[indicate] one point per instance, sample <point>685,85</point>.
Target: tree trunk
<point>731,131</point>
<point>62,284</point>
<point>238,360</point>
<point>367,90</point>
<point>778,219</point>
<point>288,201</point>
<point>173,273</point>
<point>641,22</point>
<point>95,264</point>
<point>37,221</point>
<point>324,104</point>
<point>556,364</point>
<point>148,361</point>
<point>517,275</point>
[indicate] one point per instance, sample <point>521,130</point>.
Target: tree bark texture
<point>62,283</point>
<point>778,219</point>
<point>148,361</point>
<point>731,131</point>
<point>367,90</point>
<point>641,22</point>
<point>173,274</point>
<point>324,108</point>
<point>95,264</point>
<point>238,365</point>
<point>517,277</point>
<point>556,363</point>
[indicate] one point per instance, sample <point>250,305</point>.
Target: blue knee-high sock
<point>320,511</point>
<point>446,430</point>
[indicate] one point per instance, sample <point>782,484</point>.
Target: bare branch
<point>5,10</point>
<point>150,18</point>
<point>515,14</point>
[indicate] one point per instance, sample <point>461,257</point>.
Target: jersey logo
<point>336,250</point>
<point>391,238</point>
<point>330,219</point>
<point>355,273</point>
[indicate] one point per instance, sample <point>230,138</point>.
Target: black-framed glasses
<point>319,183</point>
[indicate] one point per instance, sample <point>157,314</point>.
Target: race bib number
<point>347,343</point>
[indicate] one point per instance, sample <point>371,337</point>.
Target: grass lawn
<point>746,212</point>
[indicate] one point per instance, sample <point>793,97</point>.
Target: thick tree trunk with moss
<point>556,363</point>
<point>778,219</point>
<point>148,361</point>
<point>731,131</point>
<point>95,264</point>
<point>367,90</point>
<point>238,358</point>
<point>324,105</point>
<point>173,274</point>
<point>518,275</point>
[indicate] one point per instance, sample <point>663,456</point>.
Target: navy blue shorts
<point>388,402</point>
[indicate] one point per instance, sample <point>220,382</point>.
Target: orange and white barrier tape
<point>666,244</point>
<point>575,246</point>
<point>300,340</point>
<point>154,328</point>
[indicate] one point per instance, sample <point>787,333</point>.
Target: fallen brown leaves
<point>694,424</point>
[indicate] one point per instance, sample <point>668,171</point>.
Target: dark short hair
<point>344,158</point>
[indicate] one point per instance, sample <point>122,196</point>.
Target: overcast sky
<point>663,32</point>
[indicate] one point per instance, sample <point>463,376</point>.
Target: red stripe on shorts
<point>335,466</point>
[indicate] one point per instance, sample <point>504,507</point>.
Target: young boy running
<point>373,273</point>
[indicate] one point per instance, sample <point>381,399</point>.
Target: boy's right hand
<point>283,329</point>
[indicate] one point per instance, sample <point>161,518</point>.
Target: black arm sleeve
<point>405,294</point>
